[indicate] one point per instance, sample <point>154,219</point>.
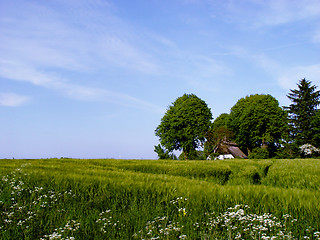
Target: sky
<point>93,78</point>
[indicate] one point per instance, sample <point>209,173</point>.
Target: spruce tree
<point>315,124</point>
<point>302,111</point>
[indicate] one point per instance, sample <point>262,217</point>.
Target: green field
<point>156,199</point>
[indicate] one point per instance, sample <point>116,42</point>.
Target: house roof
<point>236,152</point>
<point>229,147</point>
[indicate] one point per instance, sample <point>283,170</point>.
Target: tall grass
<point>126,199</point>
<point>295,173</point>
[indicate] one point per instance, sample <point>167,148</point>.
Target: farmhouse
<point>228,149</point>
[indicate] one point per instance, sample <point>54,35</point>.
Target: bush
<point>288,152</point>
<point>193,155</point>
<point>163,154</point>
<point>259,153</point>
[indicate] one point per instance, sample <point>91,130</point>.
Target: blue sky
<point>93,78</point>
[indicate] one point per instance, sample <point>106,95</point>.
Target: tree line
<point>260,127</point>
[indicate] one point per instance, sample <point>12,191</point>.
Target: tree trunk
<point>186,155</point>
<point>249,151</point>
<point>264,145</point>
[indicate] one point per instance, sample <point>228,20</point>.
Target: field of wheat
<point>157,199</point>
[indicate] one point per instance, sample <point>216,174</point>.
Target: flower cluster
<point>179,203</point>
<point>161,228</point>
<point>166,227</point>
<point>308,150</point>
<point>16,212</point>
<point>107,222</point>
<point>64,233</point>
<point>23,204</point>
<point>179,200</point>
<point>236,223</point>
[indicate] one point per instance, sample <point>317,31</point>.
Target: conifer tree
<point>302,112</point>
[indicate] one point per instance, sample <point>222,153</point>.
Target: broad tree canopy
<point>257,121</point>
<point>185,124</point>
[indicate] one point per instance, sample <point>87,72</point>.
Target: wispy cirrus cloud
<point>20,72</point>
<point>84,38</point>
<point>264,15</point>
<point>88,39</point>
<point>13,100</point>
<point>289,78</point>
<point>257,13</point>
<point>284,76</point>
<point>316,36</point>
<point>277,12</point>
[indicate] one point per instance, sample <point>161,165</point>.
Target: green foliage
<point>217,133</point>
<point>221,121</point>
<point>135,199</point>
<point>315,126</point>
<point>302,113</point>
<point>163,154</point>
<point>194,155</point>
<point>257,120</point>
<point>288,151</point>
<point>184,125</point>
<point>259,153</point>
<point>216,136</point>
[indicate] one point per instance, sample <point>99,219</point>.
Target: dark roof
<point>236,152</point>
<point>229,147</point>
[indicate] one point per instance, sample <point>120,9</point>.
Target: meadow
<point>159,199</point>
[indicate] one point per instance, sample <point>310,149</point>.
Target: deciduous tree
<point>217,133</point>
<point>258,121</point>
<point>163,154</point>
<point>185,124</point>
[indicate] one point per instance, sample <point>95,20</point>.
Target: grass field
<point>142,199</point>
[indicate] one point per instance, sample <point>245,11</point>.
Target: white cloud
<point>81,38</point>
<point>122,53</point>
<point>20,72</point>
<point>77,37</point>
<point>13,70</point>
<point>285,77</point>
<point>12,99</point>
<point>26,73</point>
<point>209,66</point>
<point>290,77</point>
<point>266,63</point>
<point>277,12</point>
<point>316,37</point>
<point>261,13</point>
